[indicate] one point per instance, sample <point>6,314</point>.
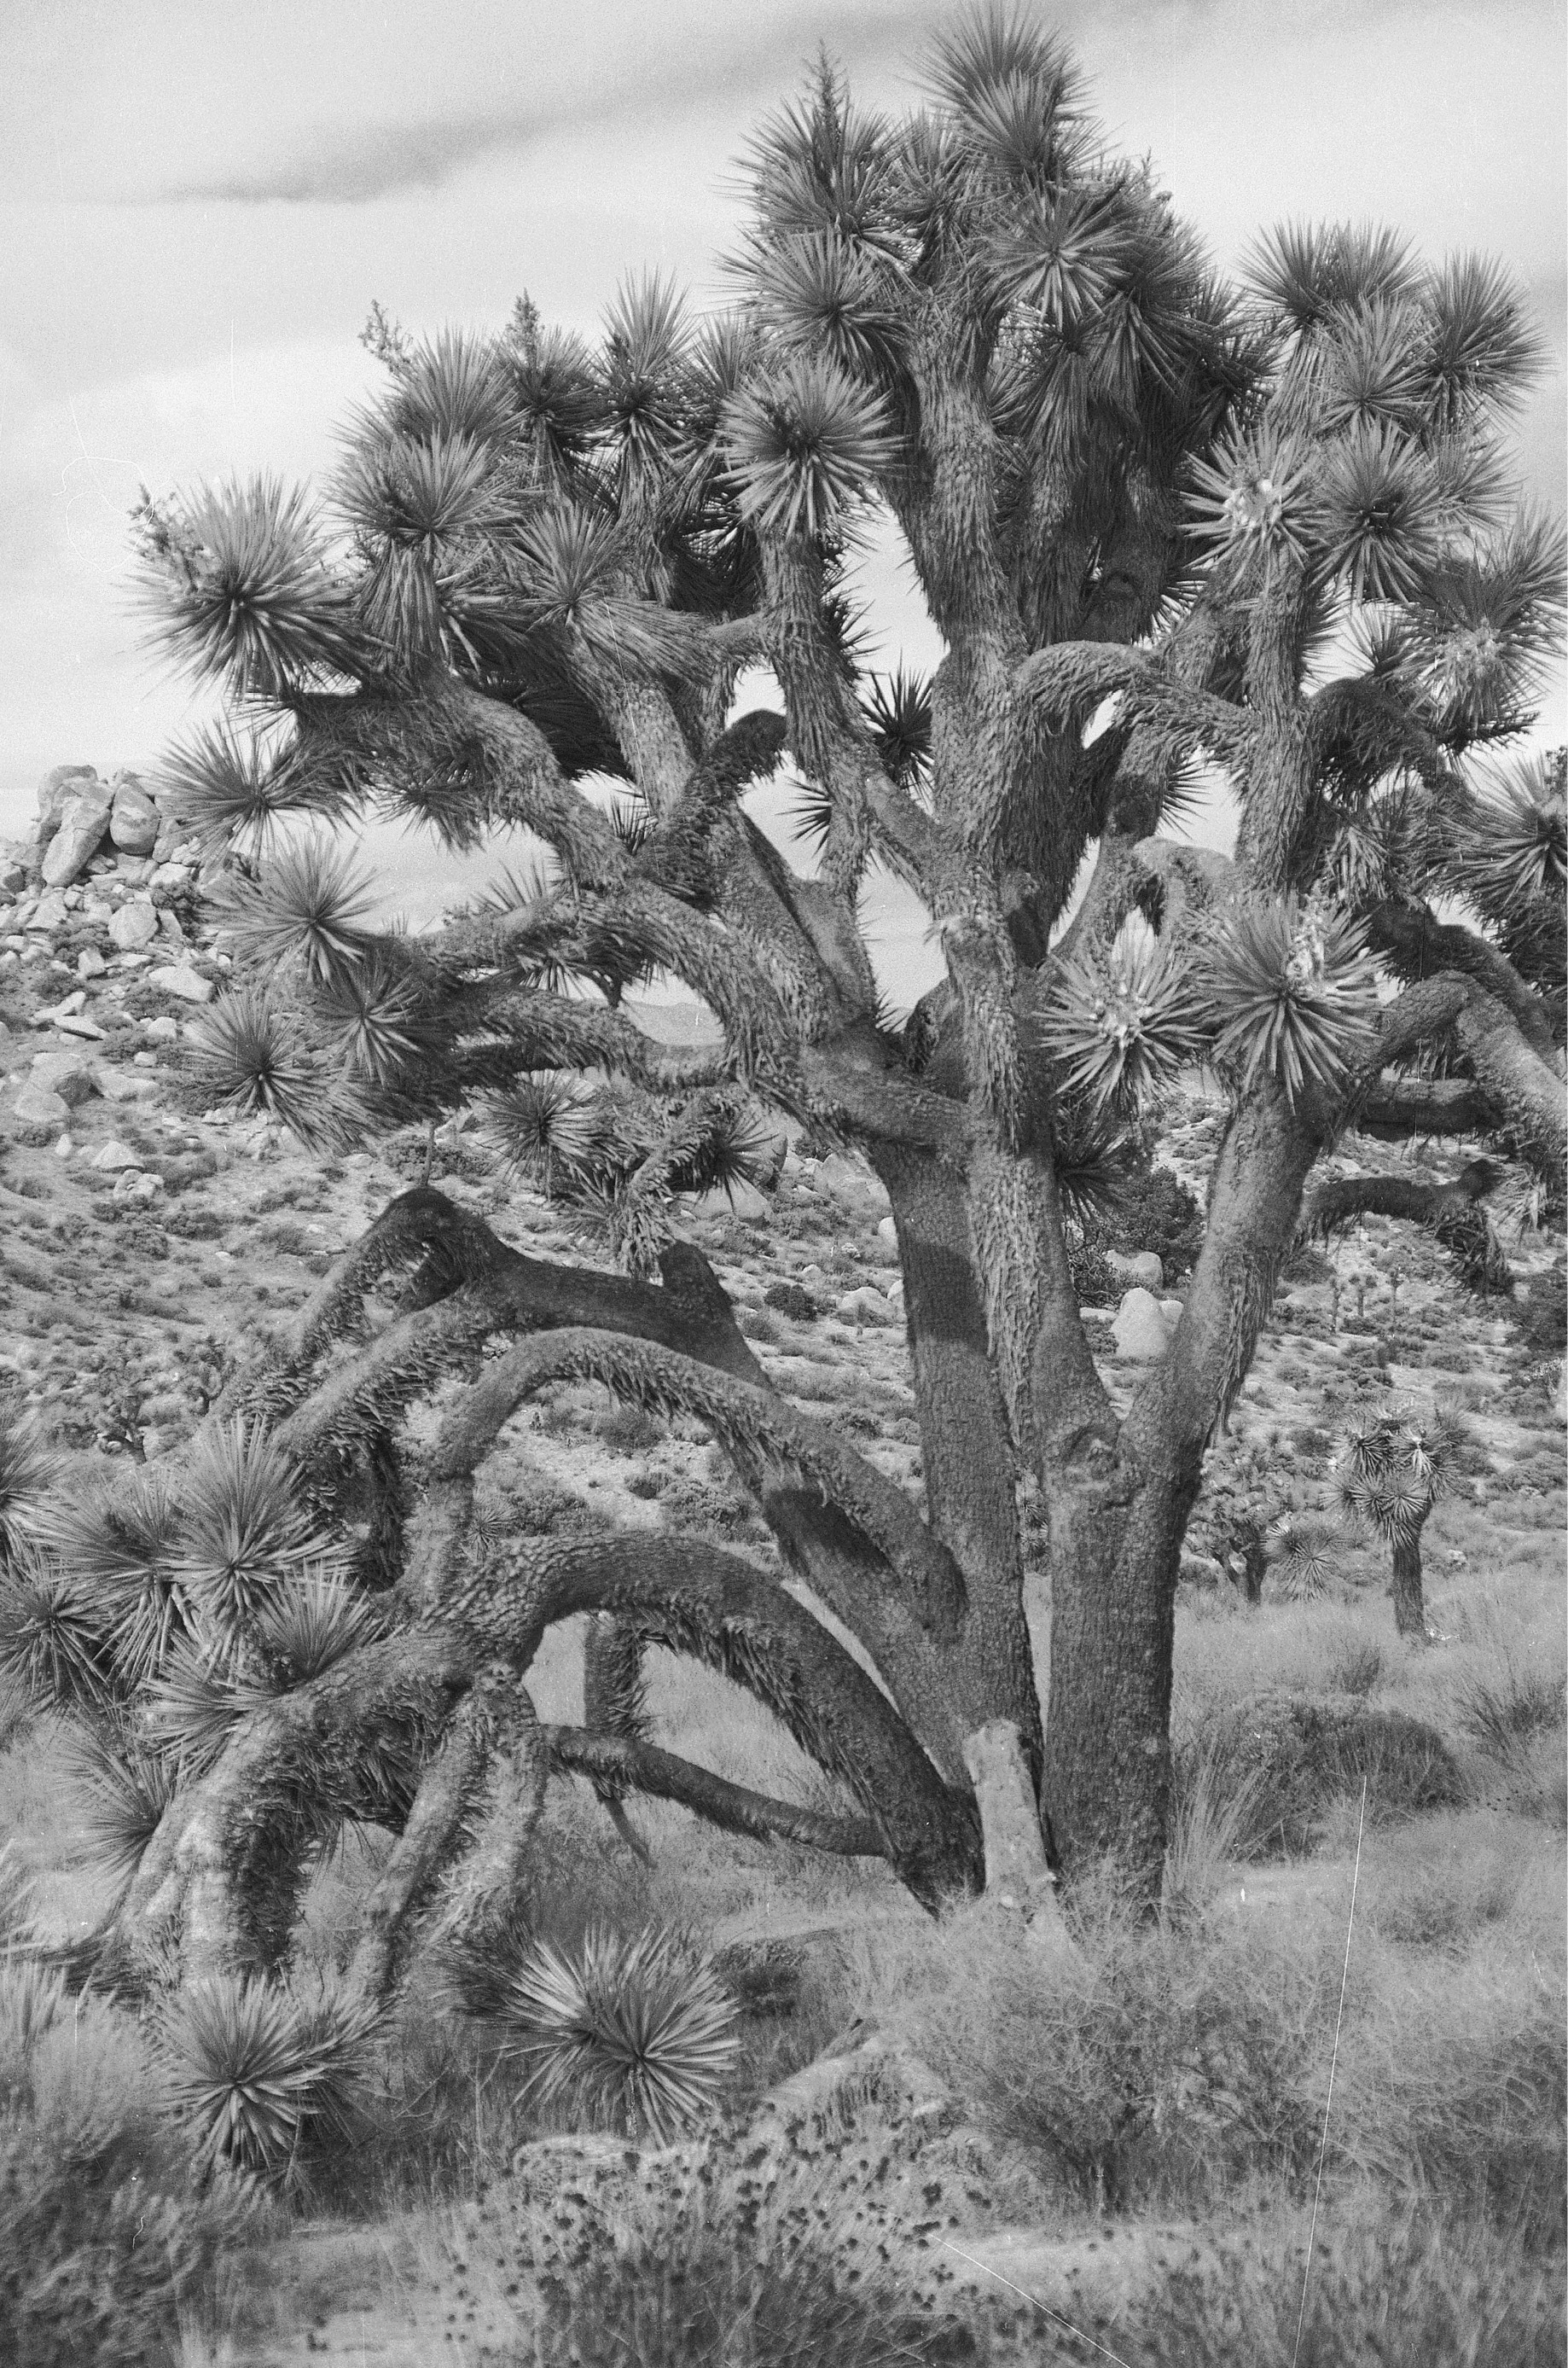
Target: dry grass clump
<point>713,2302</point>
<point>1281,1761</point>
<point>1385,2288</point>
<point>110,2238</point>
<point>1180,2066</point>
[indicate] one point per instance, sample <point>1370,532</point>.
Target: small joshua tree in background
<point>1395,1465</point>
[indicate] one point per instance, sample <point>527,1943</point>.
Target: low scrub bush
<point>1384,2289</point>
<point>1154,1211</point>
<point>109,2236</point>
<point>1094,1281</point>
<point>1293,1757</point>
<point>714,2301</point>
<point>793,1299</point>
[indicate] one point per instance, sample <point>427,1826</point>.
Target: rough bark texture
<point>1409,1605</point>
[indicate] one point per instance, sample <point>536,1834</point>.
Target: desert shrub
<point>1356,1668</point>
<point>1161,2065</point>
<point>109,2236</point>
<point>757,1324</point>
<point>1452,2084</point>
<point>1213,1824</point>
<point>715,2300</point>
<point>792,1299</point>
<point>1539,1316</point>
<point>1502,1713</point>
<point>1153,1211</point>
<point>1297,1755</point>
<point>698,1510</point>
<point>1385,2289</point>
<point>627,1430</point>
<point>1094,1281</point>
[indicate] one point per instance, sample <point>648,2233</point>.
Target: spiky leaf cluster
<point>637,2033</point>
<point>1291,994</point>
<point>1395,1464</point>
<point>1120,1030</point>
<point>259,2071</point>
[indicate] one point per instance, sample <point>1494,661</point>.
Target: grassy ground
<point>1126,2142</point>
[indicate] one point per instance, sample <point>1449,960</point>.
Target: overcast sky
<point>201,199</point>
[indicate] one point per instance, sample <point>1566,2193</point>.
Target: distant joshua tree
<point>1394,1466</point>
<point>1157,522</point>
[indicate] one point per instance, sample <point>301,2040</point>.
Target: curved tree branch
<point>633,1765</point>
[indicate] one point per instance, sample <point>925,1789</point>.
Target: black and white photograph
<point>784,1183</point>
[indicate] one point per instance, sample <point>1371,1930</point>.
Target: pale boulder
<point>69,1074</point>
<point>37,1106</point>
<point>55,792</point>
<point>181,980</point>
<point>746,1202</point>
<point>48,913</point>
<point>864,1306</point>
<point>83,821</point>
<point>1138,1266</point>
<point>90,963</point>
<point>134,820</point>
<point>1142,1329</point>
<point>134,926</point>
<point>116,1086</point>
<point>114,1155</point>
<point>170,878</point>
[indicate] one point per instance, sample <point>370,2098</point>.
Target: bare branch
<point>642,1766</point>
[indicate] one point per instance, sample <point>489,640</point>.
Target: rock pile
<point>107,885</point>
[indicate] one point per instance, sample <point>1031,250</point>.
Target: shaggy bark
<point>1409,1606</point>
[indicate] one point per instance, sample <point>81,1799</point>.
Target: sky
<point>199,202</point>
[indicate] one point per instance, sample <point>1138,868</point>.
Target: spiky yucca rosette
<point>636,2033</point>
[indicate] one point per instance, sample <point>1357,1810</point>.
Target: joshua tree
<point>1155,522</point>
<point>1393,1467</point>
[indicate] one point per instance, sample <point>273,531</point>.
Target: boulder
<point>742,1200</point>
<point>133,871</point>
<point>181,980</point>
<point>55,791</point>
<point>76,1023</point>
<point>134,926</point>
<point>887,1231</point>
<point>90,963</point>
<point>116,1086</point>
<point>66,1009</point>
<point>81,823</point>
<point>37,1106</point>
<point>1142,1328</point>
<point>163,1030</point>
<point>67,1074</point>
<point>134,821</point>
<point>115,1154</point>
<point>1138,1266</point>
<point>170,880</point>
<point>169,924</point>
<point>48,913</point>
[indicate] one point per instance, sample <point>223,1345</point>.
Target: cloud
<point>357,166</point>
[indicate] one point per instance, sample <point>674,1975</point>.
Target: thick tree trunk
<point>966,1447</point>
<point>1116,1549</point>
<point>1409,1610</point>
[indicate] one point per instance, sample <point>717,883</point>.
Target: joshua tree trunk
<point>1409,1610</point>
